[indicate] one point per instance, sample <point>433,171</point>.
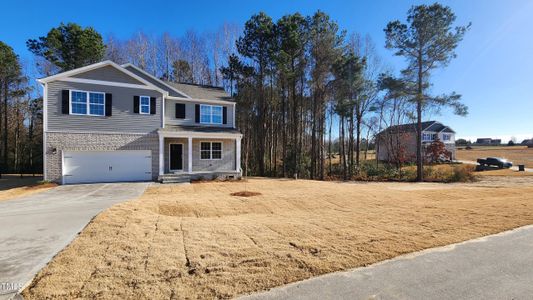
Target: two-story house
<point>107,123</point>
<point>402,139</point>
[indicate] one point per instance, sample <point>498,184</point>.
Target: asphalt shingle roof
<point>411,127</point>
<point>204,92</point>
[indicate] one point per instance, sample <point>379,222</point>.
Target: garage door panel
<point>107,166</point>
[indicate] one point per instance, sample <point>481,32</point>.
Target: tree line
<point>311,97</point>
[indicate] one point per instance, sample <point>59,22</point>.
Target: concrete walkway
<point>35,228</point>
<point>495,267</point>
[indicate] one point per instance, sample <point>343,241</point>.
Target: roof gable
<point>107,73</point>
<point>73,73</point>
<point>172,91</point>
<point>432,126</point>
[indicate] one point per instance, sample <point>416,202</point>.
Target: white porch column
<point>161,154</point>
<point>238,154</point>
<point>189,154</point>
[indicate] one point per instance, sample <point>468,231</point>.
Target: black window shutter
<point>108,104</point>
<point>152,105</point>
<point>65,102</point>
<point>224,115</point>
<point>180,111</point>
<point>136,104</point>
<point>197,113</point>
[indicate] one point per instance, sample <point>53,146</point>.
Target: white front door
<point>107,166</point>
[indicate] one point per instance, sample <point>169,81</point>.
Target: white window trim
<point>211,114</point>
<point>211,150</point>
<point>87,103</point>
<point>169,147</point>
<point>432,137</point>
<point>448,135</point>
<point>141,105</point>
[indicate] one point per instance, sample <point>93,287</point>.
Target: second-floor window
<point>210,114</point>
<point>428,137</point>
<point>87,103</point>
<point>144,104</point>
<point>446,137</point>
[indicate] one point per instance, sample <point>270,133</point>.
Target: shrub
<point>464,173</point>
<point>371,171</point>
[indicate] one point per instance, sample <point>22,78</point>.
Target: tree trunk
<point>5,126</point>
<point>284,131</point>
<point>329,144</point>
<point>313,136</point>
<point>358,140</point>
<point>2,167</point>
<point>343,150</point>
<point>350,144</point>
<point>420,96</point>
<point>322,136</point>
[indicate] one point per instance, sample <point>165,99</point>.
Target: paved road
<point>495,267</point>
<point>35,228</point>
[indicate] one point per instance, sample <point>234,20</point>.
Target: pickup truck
<point>495,161</point>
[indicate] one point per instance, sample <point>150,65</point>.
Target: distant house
<point>484,141</point>
<point>402,138</point>
<point>488,141</point>
<point>527,142</point>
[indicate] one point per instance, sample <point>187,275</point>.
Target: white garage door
<point>107,166</point>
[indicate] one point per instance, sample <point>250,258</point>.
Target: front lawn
<point>198,241</point>
<point>13,186</point>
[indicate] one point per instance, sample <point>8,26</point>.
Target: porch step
<point>174,178</point>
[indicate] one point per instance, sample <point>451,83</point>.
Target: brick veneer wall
<point>96,142</point>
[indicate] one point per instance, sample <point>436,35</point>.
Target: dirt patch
<point>25,190</point>
<point>504,172</point>
<point>245,194</point>
<point>199,242</point>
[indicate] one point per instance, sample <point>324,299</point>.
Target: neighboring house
<point>106,123</point>
<point>528,143</point>
<point>488,141</point>
<point>400,140</point>
<point>484,141</point>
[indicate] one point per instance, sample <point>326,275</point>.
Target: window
<point>96,104</point>
<point>210,150</point>
<point>429,136</point>
<point>78,103</point>
<point>446,136</point>
<point>144,105</point>
<point>210,114</point>
<point>87,103</point>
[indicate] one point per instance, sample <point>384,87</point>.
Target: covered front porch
<point>188,153</point>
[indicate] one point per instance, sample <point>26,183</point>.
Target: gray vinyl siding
<point>108,73</point>
<point>122,120</point>
<point>190,111</point>
<point>170,91</point>
<point>227,163</point>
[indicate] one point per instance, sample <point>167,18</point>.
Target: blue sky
<point>493,70</point>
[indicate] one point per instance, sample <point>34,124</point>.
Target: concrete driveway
<point>493,267</point>
<point>35,228</point>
